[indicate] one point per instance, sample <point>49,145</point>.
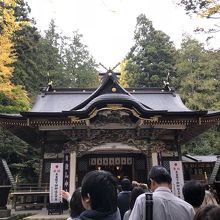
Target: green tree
<point>151,58</point>
<point>205,144</point>
<point>27,68</point>
<point>197,80</point>
<point>80,66</point>
<point>197,76</point>
<point>52,50</point>
<point>38,57</point>
<point>22,159</point>
<point>20,156</point>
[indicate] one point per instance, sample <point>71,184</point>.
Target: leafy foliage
<point>206,144</point>
<point>13,97</point>
<point>203,8</point>
<point>80,66</point>
<point>151,58</point>
<point>123,72</point>
<point>51,54</point>
<point>15,94</point>
<point>197,76</point>
<point>21,158</point>
<point>198,83</point>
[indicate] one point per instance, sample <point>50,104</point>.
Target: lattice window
<point>83,165</point>
<point>140,164</point>
<point>166,164</point>
<point>47,167</point>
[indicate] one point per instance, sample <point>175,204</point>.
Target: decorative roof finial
<point>49,83</point>
<point>166,83</point>
<point>109,71</point>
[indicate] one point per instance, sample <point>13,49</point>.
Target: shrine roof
<point>160,107</point>
<point>59,100</point>
<point>199,158</point>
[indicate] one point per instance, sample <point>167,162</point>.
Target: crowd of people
<point>101,198</point>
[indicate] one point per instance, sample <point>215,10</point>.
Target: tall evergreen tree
<point>198,83</point>
<point>79,64</point>
<point>30,70</point>
<point>197,76</point>
<point>51,51</point>
<point>151,58</point>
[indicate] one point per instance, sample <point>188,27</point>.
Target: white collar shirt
<point>166,206</point>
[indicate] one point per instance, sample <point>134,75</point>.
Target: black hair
<point>119,189</point>
<point>194,193</point>
<point>160,175</point>
<point>136,191</point>
<point>126,184</point>
<point>102,189</point>
<point>76,206</point>
<point>209,212</point>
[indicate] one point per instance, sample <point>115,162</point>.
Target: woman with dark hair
<point>136,191</point>
<point>194,193</point>
<point>76,206</point>
<point>99,196</point>
<point>209,212</point>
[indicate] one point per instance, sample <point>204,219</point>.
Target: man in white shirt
<point>166,206</point>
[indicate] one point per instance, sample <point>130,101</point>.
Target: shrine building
<point>124,131</point>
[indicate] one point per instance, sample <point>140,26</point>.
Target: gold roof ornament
<point>114,89</point>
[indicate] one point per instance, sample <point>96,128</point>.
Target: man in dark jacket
<point>124,196</point>
<point>99,196</point>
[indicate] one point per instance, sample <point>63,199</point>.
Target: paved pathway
<point>41,215</point>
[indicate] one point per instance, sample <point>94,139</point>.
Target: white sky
<point>107,26</point>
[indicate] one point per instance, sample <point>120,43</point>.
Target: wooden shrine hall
<point>125,131</point>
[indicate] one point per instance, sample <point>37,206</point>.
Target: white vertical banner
<point>56,182</point>
<point>176,171</point>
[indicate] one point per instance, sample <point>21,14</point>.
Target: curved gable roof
<point>148,99</point>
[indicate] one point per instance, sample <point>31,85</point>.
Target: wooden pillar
<point>149,159</point>
<point>133,169</point>
<point>154,159</point>
<point>72,171</point>
<point>178,148</point>
<point>41,162</point>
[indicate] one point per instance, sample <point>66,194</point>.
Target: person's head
<point>76,206</point>
<point>159,176</point>
<point>119,189</point>
<point>194,192</point>
<point>136,191</point>
<point>134,184</point>
<point>210,212</point>
<point>144,186</point>
<point>126,184</point>
<point>99,191</point>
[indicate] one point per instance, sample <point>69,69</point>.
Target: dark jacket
<point>123,202</point>
<point>95,215</point>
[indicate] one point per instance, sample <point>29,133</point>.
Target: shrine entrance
<point>120,172</point>
<point>121,165</point>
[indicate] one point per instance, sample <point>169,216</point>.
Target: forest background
<point>30,60</point>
